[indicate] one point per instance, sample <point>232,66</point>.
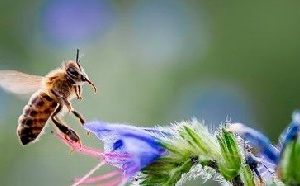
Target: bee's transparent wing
<point>19,83</point>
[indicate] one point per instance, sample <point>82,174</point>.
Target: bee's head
<point>76,73</point>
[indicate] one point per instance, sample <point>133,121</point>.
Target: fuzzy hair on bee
<point>50,94</point>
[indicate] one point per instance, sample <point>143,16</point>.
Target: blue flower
<point>270,156</point>
<point>257,140</point>
<point>291,132</point>
<point>138,143</point>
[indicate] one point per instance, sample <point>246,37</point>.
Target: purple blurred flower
<point>138,143</point>
<point>72,22</point>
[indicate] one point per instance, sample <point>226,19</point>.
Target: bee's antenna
<point>77,58</point>
<point>77,55</point>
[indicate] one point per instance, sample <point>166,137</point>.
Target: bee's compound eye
<point>73,72</point>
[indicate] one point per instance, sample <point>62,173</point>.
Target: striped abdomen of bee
<point>51,94</point>
<point>34,117</point>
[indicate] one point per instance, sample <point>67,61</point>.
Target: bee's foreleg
<point>78,92</point>
<point>64,100</point>
<point>78,115</point>
<point>68,132</point>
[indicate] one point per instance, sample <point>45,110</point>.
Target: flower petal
<point>258,140</point>
<point>291,132</point>
<point>137,142</point>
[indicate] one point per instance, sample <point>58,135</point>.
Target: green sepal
<point>230,162</point>
<point>247,176</point>
<point>290,163</point>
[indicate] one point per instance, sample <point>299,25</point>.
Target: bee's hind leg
<point>68,132</point>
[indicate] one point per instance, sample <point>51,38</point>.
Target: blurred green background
<point>154,62</point>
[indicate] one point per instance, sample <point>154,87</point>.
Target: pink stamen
<point>82,180</point>
<point>101,178</point>
<point>89,151</point>
<point>78,147</point>
<point>118,155</point>
<point>92,152</point>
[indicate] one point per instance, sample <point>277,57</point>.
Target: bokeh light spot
<point>70,22</point>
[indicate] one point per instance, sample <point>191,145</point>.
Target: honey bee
<point>51,94</point>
